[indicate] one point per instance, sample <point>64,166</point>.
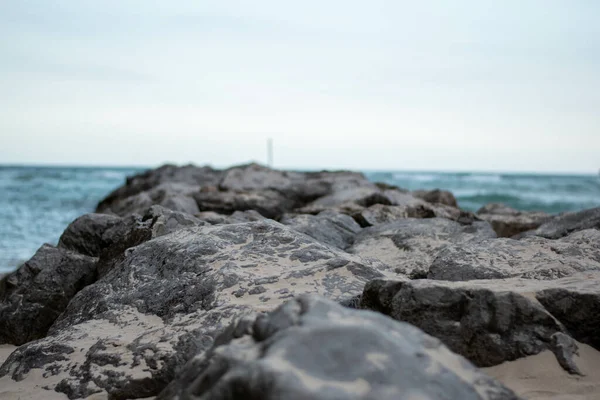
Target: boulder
<point>530,257</point>
<point>85,235</point>
<point>570,222</point>
<point>437,196</point>
<point>214,218</point>
<point>508,222</point>
<point>301,187</point>
<point>126,335</point>
<point>410,245</point>
<point>379,214</point>
<point>328,227</point>
<point>189,175</point>
<point>494,321</point>
<point>171,195</point>
<point>270,203</point>
<point>33,296</point>
<point>312,348</point>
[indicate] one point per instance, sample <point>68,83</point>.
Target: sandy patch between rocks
<point>540,377</point>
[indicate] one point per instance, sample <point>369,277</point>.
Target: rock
<point>379,214</point>
<point>301,187</point>
<point>136,229</point>
<point>570,222</point>
<point>85,234</point>
<point>531,257</point>
<point>238,216</point>
<point>172,195</point>
<point>328,227</point>
<point>269,203</point>
<point>312,348</point>
<point>129,332</point>
<point>493,321</point>
<point>437,196</point>
<point>33,296</point>
<point>410,245</point>
<point>190,175</point>
<point>508,222</point>
<point>576,303</point>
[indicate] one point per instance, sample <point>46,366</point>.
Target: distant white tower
<point>270,152</point>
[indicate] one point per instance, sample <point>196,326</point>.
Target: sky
<point>475,85</point>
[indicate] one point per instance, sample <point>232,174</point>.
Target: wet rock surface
<point>163,292</point>
<point>313,348</point>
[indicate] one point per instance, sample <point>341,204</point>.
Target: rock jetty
<point>253,283</point>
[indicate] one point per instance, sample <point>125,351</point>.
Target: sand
<point>5,350</point>
<point>540,377</point>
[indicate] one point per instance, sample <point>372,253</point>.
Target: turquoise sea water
<point>37,203</point>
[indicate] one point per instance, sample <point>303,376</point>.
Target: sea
<point>37,203</point>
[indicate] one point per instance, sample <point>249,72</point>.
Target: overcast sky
<point>437,85</point>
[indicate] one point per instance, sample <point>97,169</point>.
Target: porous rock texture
<point>312,348</point>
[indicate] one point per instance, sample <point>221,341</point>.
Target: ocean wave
<point>418,177</point>
<point>483,178</point>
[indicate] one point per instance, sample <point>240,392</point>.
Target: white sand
<point>540,377</point>
<point>5,351</point>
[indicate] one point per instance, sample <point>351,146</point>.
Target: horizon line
<point>367,170</point>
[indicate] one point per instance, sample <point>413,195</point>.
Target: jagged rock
<point>135,229</point>
<point>531,257</point>
<point>172,195</point>
<point>312,348</point>
<point>576,303</point>
<point>379,214</point>
<point>508,222</point>
<point>410,245</point>
<point>33,296</point>
<point>238,216</point>
<point>437,196</point>
<point>302,187</point>
<point>329,227</point>
<point>166,298</point>
<point>269,203</point>
<point>189,174</point>
<point>493,321</point>
<point>85,235</point>
<point>570,222</point>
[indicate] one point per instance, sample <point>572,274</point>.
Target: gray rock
<point>85,234</point>
<point>379,214</point>
<point>493,321</point>
<point>269,203</point>
<point>531,257</point>
<point>328,227</point>
<point>135,229</point>
<point>312,348</point>
<point>576,303</point>
<point>567,223</point>
<point>301,187</point>
<point>437,196</point>
<point>166,298</point>
<point>238,216</point>
<point>33,296</point>
<point>189,175</point>
<point>508,222</point>
<point>410,245</point>
<point>172,195</point>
